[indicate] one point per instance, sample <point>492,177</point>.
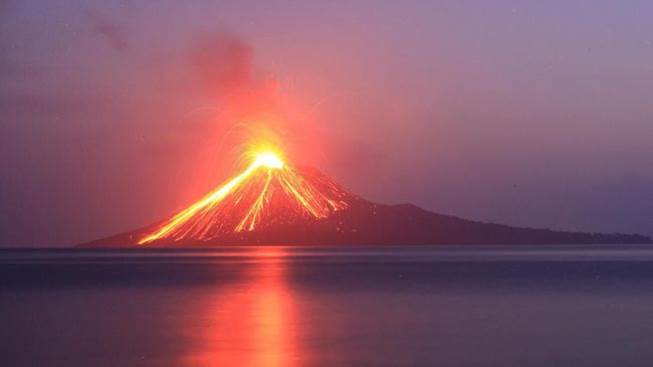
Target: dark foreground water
<point>359,306</point>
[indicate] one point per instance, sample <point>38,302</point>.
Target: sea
<point>486,305</point>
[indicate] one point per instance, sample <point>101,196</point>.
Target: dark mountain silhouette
<point>301,206</point>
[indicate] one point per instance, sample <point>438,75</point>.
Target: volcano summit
<point>272,202</point>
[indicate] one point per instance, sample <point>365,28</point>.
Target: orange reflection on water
<point>250,322</point>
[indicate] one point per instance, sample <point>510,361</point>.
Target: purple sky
<point>526,113</point>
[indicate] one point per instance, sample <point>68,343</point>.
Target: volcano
<point>272,202</point>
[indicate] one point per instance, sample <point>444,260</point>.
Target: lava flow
<point>268,191</point>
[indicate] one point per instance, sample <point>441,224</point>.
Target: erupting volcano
<point>271,201</point>
<point>267,193</point>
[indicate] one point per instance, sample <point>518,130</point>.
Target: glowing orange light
<point>269,160</point>
<point>254,328</point>
<point>266,177</point>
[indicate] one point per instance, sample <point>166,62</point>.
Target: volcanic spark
<point>267,191</point>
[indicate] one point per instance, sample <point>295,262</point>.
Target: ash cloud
<point>253,101</point>
<point>224,63</point>
<point>115,35</point>
<point>225,66</point>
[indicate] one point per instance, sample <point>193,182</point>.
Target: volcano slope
<point>272,203</point>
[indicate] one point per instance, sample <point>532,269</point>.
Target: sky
<point>115,114</point>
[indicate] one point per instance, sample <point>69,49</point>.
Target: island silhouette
<point>272,202</point>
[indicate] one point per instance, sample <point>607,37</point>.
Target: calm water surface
<point>329,306</point>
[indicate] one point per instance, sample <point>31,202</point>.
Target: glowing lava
<point>269,160</point>
<point>267,192</point>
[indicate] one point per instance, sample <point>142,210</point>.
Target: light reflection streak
<point>251,322</point>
